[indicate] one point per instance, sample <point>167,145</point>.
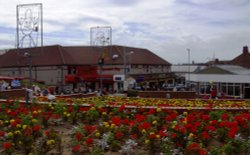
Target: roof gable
<point>214,70</point>
<point>80,55</point>
<point>243,59</point>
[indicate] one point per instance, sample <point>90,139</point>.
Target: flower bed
<point>106,125</point>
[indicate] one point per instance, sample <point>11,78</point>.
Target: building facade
<point>113,67</point>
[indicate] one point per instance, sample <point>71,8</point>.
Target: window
<point>231,89</point>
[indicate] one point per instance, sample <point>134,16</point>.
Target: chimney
<point>216,61</point>
<point>245,50</point>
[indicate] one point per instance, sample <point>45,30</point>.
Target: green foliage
<point>216,115</point>
<point>92,114</point>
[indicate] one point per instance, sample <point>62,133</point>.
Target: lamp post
<point>101,63</point>
<point>29,56</point>
<point>125,55</point>
<point>188,50</point>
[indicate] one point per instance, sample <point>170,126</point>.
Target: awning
<point>87,78</point>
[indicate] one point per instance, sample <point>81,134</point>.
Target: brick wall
<point>168,94</point>
<point>12,94</point>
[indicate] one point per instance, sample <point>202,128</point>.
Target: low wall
<point>12,94</point>
<point>79,95</point>
<point>168,94</point>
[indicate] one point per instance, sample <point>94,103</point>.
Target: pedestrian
<point>213,93</point>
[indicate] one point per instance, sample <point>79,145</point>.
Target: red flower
<point>78,136</point>
<point>76,148</point>
<point>210,128</point>
<point>7,145</point>
<point>205,135</point>
<point>140,118</point>
<point>224,116</point>
<point>47,133</point>
<point>89,141</point>
<point>36,128</point>
<point>174,135</point>
<point>122,108</point>
<point>116,120</point>
<point>152,136</point>
<point>2,133</point>
<point>145,125</point>
<point>90,129</point>
<point>151,111</point>
<point>70,109</point>
<point>118,135</point>
<point>232,132</point>
<point>202,152</point>
<point>84,109</point>
<point>13,124</point>
<point>205,117</point>
<point>162,133</point>
<point>214,122</point>
<point>134,136</point>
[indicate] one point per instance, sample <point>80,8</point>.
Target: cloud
<point>167,28</point>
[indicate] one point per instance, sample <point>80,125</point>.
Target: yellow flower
<point>92,108</point>
<point>151,133</point>
<point>191,135</point>
<point>105,123</point>
<point>18,126</point>
<point>185,113</point>
<point>112,125</point>
<point>17,132</point>
<point>147,141</point>
<point>24,126</point>
<point>158,110</point>
<point>107,126</point>
<point>174,122</point>
<point>34,121</point>
<point>154,122</point>
<point>50,142</point>
<point>158,136</point>
<point>97,134</point>
<point>10,134</point>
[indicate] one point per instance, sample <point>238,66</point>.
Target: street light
<point>29,56</point>
<point>125,55</point>
<point>101,63</point>
<point>188,50</point>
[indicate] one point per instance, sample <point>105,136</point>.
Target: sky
<point>208,28</point>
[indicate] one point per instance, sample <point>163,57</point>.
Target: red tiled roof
<point>79,55</point>
<point>243,59</point>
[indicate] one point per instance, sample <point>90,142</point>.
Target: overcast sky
<point>209,28</point>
